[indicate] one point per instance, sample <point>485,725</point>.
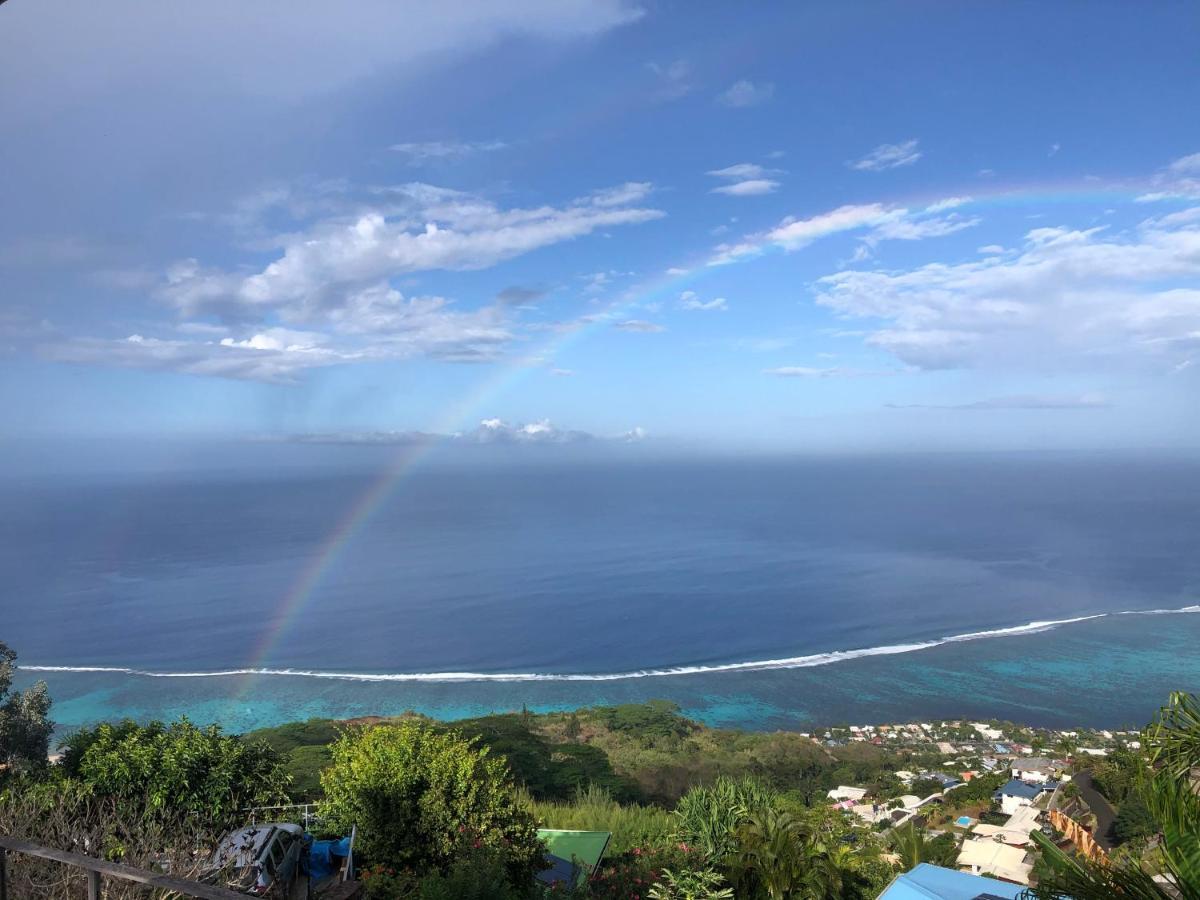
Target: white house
<point>843,792</point>
<point>1017,794</point>
<point>995,858</point>
<point>992,734</point>
<point>1037,770</point>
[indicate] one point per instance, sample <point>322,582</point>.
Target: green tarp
<point>573,854</point>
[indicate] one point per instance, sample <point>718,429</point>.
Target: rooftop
<point>927,882</point>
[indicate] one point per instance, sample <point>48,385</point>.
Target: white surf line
<point>793,662</point>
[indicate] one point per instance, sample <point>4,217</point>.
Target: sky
<point>787,226</point>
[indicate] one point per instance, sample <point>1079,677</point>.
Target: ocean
<point>762,593</point>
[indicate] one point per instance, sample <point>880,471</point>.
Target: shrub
<point>421,797</point>
<point>707,817</point>
<point>175,768</point>
<point>595,810</point>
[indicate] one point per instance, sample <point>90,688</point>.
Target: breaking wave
<point>760,665</point>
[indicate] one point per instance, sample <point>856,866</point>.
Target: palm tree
<point>783,858</point>
<point>1170,792</point>
<point>914,846</point>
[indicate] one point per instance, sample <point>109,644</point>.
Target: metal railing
<point>99,869</point>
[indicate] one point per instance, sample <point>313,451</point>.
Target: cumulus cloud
<point>335,272</point>
<point>690,300</point>
<point>1068,298</point>
<point>887,156</point>
<point>746,93</point>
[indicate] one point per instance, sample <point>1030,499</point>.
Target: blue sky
<point>818,226</point>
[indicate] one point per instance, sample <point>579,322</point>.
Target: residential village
<point>1032,770</point>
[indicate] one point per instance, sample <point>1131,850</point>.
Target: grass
<point>593,809</point>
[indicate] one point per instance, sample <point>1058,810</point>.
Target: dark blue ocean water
<point>592,567</point>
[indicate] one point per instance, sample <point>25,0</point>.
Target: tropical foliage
<point>25,725</point>
<point>708,817</point>
<point>173,768</point>
<point>1169,791</point>
<point>420,797</point>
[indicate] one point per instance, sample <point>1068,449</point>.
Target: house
<point>1034,770</point>
<point>1017,793</point>
<point>1093,751</point>
<point>992,734</point>
<point>1015,832</point>
<point>999,859</point>
<point>843,792</point>
<point>945,747</point>
<point>927,882</point>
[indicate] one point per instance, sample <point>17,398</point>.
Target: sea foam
<point>758,665</point>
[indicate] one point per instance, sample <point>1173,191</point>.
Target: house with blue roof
<point>1016,794</point>
<point>927,882</point>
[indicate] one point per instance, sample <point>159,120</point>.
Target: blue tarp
<point>325,857</point>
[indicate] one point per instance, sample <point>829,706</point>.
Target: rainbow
<point>667,287</point>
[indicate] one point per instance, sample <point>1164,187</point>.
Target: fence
<point>99,869</point>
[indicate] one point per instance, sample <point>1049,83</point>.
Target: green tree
<point>25,725</point>
<point>180,767</point>
<point>421,796</point>
<point>1134,820</point>
<point>779,856</point>
<point>1170,794</point>
<point>914,846</point>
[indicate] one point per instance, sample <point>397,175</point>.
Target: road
<point>1105,814</point>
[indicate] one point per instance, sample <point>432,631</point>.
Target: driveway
<point>1105,814</point>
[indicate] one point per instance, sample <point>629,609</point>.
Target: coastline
<point>1105,671</point>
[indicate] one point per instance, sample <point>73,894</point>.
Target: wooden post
<point>93,885</point>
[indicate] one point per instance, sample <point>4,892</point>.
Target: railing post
<point>93,885</point>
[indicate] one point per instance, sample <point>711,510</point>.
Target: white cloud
<point>622,194</point>
<point>746,93</point>
<point>886,223</point>
<point>991,249</point>
<point>238,360</point>
<point>674,80</point>
<point>640,326</point>
<point>1069,299</point>
<point>274,49</point>
<point>323,270</point>
<point>690,300</point>
<point>1020,401</point>
<point>947,204</point>
<point>746,180</point>
<point>444,151</point>
<point>742,171</point>
<point>826,372</point>
<point>1186,165</point>
<point>1179,180</point>
<point>1054,148</point>
<point>909,229</point>
<point>888,156</point>
<point>752,188</point>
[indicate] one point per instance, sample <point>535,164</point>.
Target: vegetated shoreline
<point>652,753</point>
